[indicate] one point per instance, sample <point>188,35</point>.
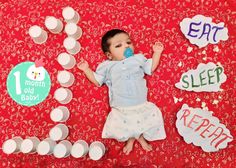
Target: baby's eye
<point>39,73</point>
<point>32,72</point>
<point>129,42</point>
<point>118,45</point>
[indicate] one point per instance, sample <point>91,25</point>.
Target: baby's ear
<point>108,54</point>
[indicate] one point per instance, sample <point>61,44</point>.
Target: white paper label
<point>207,77</point>
<point>199,127</point>
<point>200,30</point>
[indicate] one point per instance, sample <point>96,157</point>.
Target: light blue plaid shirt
<point>125,80</point>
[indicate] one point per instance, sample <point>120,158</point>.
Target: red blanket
<point>147,22</point>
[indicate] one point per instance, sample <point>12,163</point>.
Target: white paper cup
<point>96,150</point>
<point>70,15</point>
<point>59,132</point>
<point>46,147</point>
<point>79,149</point>
<point>53,24</point>
<point>65,78</point>
<point>67,61</point>
<point>29,145</point>
<point>60,114</point>
<point>12,145</point>
<point>62,149</point>
<point>71,45</point>
<point>38,35</point>
<point>63,95</point>
<point>72,30</point>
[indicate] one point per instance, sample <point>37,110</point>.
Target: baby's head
<point>114,44</point>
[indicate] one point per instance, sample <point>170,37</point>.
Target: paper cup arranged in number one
<point>60,114</point>
<point>12,145</point>
<point>65,78</point>
<point>72,46</point>
<point>53,24</point>
<point>79,149</point>
<point>66,60</point>
<point>29,145</point>
<point>46,147</point>
<point>38,35</point>
<point>70,15</point>
<point>63,95</point>
<point>96,150</point>
<point>62,149</point>
<point>72,30</point>
<point>59,132</point>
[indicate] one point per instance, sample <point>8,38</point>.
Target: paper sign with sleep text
<point>199,127</point>
<point>200,30</point>
<point>207,77</point>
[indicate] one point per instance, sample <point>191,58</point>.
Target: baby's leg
<point>129,146</point>
<point>144,143</point>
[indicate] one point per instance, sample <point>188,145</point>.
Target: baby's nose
<point>127,45</point>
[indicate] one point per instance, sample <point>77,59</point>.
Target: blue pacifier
<point>128,52</point>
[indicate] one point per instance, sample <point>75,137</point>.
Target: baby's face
<point>118,44</point>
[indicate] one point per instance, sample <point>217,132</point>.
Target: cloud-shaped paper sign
<point>199,127</point>
<point>207,77</point>
<point>201,31</point>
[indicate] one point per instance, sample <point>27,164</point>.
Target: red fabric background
<point>147,22</point>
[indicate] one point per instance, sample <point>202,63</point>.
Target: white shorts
<point>124,123</point>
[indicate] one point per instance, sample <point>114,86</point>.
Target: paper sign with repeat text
<point>199,127</point>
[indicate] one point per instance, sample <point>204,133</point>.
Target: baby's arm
<point>157,49</point>
<point>84,66</point>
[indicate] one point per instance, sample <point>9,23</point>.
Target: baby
<point>132,117</point>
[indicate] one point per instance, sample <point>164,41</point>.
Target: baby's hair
<point>108,35</point>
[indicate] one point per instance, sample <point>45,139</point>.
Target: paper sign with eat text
<point>207,77</point>
<point>200,30</point>
<point>199,127</point>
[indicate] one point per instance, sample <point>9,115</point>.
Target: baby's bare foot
<point>129,146</point>
<point>144,143</point>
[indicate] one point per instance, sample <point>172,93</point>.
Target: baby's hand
<point>83,65</point>
<point>158,47</point>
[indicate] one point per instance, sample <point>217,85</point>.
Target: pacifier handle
<point>128,52</point>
